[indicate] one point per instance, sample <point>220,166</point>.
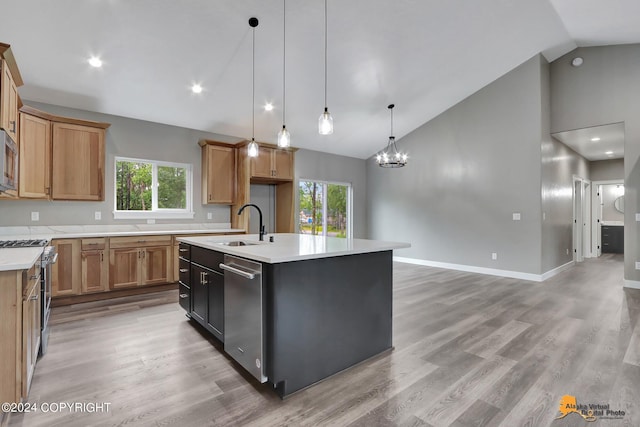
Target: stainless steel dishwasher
<point>243,326</point>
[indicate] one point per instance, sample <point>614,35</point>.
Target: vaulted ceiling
<point>424,56</point>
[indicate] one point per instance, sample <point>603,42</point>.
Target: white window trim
<point>324,202</point>
<point>155,213</point>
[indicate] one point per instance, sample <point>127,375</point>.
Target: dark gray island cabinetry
<point>325,303</point>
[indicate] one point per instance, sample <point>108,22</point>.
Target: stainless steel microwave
<point>8,163</point>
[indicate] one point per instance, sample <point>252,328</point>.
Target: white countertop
<point>292,247</point>
<point>19,258</point>
<point>612,223</point>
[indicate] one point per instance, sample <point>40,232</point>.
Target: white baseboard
<point>632,284</point>
<point>485,270</point>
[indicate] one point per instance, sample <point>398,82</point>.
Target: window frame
<point>155,212</point>
<point>325,184</point>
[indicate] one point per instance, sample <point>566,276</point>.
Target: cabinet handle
<point>33,298</point>
<point>47,190</point>
<point>13,126</point>
<point>184,296</point>
<point>144,253</point>
<point>183,250</point>
<point>209,196</point>
<point>101,256</point>
<point>203,278</point>
<point>142,241</point>
<point>183,270</point>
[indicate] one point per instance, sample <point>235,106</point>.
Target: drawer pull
<point>183,270</point>
<point>184,296</point>
<point>183,250</point>
<point>34,298</point>
<point>142,241</point>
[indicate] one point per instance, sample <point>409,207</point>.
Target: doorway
<point>606,210</point>
<point>581,219</point>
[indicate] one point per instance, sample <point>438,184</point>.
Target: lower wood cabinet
<point>31,320</point>
<point>140,261</point>
<point>95,265</point>
<point>66,273</point>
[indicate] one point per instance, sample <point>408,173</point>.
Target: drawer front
<point>139,241</point>
<point>207,258</point>
<point>184,297</point>
<point>94,244</point>
<point>183,272</point>
<point>184,251</point>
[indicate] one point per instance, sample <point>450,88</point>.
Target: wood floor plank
<point>497,340</point>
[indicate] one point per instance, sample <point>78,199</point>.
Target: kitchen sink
<point>237,243</point>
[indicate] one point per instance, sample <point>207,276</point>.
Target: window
<point>152,189</point>
<point>325,208</point>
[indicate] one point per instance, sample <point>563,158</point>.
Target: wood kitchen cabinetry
<point>35,157</point>
<point>19,331</point>
<point>140,261</point>
<point>9,101</point>
<point>218,172</point>
<point>95,265</point>
<point>66,273</point>
<point>272,163</point>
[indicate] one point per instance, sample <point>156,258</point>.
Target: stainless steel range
<point>49,257</point>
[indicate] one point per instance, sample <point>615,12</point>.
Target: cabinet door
<point>218,174</point>
<point>156,265</point>
<point>95,272</point>
<point>35,157</point>
<point>124,267</point>
<point>261,166</point>
<point>215,309</point>
<point>283,164</point>
<point>77,162</point>
<point>199,294</point>
<point>9,103</point>
<point>66,272</point>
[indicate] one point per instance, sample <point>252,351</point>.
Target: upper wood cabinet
<point>218,172</point>
<point>34,180</point>
<point>77,162</point>
<point>9,102</point>
<point>272,164</point>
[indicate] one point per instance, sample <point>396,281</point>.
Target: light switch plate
<point>544,216</point>
<point>638,217</point>
<point>97,215</point>
<point>637,265</point>
<point>516,216</point>
<point>35,216</point>
<point>494,256</point>
<point>209,215</point>
<point>151,221</point>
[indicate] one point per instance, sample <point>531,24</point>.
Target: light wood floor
<point>470,350</point>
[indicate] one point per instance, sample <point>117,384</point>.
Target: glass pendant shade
<point>252,148</point>
<point>284,138</point>
<point>325,123</point>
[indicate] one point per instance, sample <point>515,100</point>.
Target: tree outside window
<point>324,208</point>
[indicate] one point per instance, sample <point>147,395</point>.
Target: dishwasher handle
<point>237,271</point>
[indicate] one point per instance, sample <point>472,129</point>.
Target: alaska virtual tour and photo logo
<point>590,411</point>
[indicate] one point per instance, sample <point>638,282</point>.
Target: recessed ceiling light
<point>608,152</point>
<point>268,106</point>
<point>196,88</point>
<point>595,139</point>
<point>577,61</point>
<point>96,62</point>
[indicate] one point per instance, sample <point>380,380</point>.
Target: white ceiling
<point>610,140</point>
<point>424,56</point>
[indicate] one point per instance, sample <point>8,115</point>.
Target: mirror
<point>619,204</point>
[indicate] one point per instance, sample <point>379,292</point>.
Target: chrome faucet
<point>262,232</point>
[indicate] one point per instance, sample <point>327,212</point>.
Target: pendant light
<point>391,157</point>
<point>284,137</point>
<point>325,122</point>
<point>252,148</point>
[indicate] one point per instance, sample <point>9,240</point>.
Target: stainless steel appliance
<point>243,314</point>
<point>8,162</point>
<point>48,257</point>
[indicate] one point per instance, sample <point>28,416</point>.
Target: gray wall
<point>606,170</point>
<point>129,138</point>
<point>605,89</point>
<point>469,169</point>
<point>330,167</point>
<point>610,192</point>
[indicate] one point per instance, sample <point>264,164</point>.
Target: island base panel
<point>326,315</point>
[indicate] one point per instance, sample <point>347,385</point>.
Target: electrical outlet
<point>35,216</point>
<point>494,256</point>
<point>151,221</point>
<point>637,265</point>
<point>567,251</point>
<point>638,217</point>
<point>516,216</point>
<point>544,216</point>
<point>97,215</point>
<point>209,215</point>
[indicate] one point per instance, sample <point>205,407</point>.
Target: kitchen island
<point>322,304</point>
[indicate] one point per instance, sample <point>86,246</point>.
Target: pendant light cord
<point>325,54</point>
<point>253,88</point>
<point>284,57</point>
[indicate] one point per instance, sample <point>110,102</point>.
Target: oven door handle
<point>54,260</point>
